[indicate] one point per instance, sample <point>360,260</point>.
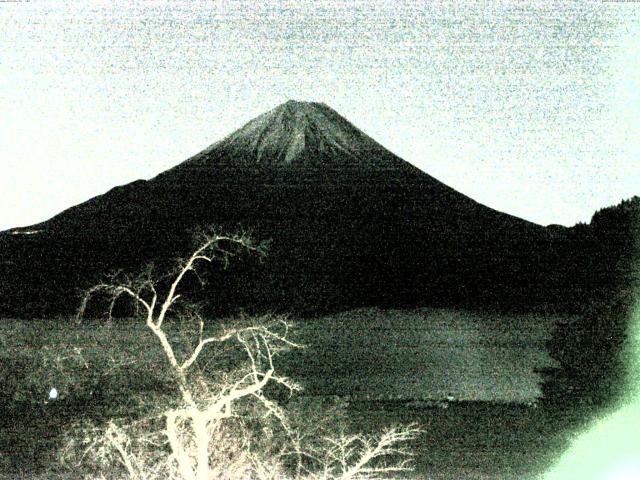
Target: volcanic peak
<point>301,133</point>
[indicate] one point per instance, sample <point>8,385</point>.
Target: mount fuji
<point>351,224</point>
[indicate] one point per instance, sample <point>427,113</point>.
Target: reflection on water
<point>423,354</point>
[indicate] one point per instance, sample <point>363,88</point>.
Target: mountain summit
<point>301,134</point>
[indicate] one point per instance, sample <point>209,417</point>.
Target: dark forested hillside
<point>601,281</point>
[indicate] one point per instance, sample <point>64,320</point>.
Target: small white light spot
<point>53,394</point>
<point>25,232</point>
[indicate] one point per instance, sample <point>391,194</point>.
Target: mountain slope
<point>351,224</point>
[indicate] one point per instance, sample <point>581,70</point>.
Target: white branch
<point>196,352</point>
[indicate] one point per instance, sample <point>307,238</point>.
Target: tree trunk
<point>202,445</point>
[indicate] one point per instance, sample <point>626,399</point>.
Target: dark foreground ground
<point>98,371</point>
<point>464,441</point>
<point>482,440</point>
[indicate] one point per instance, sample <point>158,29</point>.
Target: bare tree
<point>352,457</point>
<point>193,428</point>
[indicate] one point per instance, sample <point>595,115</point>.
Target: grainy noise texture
<point>438,199</point>
<point>528,107</point>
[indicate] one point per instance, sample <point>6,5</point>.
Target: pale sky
<point>532,108</point>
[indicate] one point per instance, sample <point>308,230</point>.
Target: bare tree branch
<point>203,408</point>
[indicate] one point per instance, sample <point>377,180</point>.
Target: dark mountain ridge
<point>351,225</point>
